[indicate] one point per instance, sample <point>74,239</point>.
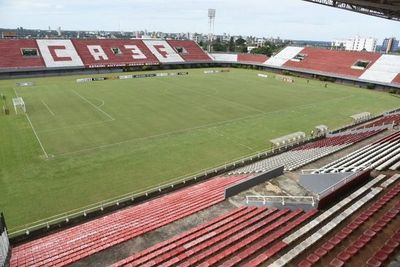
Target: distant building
<point>356,44</point>
<point>390,45</point>
<point>8,35</point>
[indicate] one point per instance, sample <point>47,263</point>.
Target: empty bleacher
<point>385,69</point>
<point>283,56</point>
<point>309,152</point>
<point>11,57</point>
<point>75,243</point>
<point>397,79</point>
<point>131,52</point>
<point>251,58</point>
<point>331,61</point>
<point>308,239</point>
<point>389,119</point>
<point>222,241</point>
<point>380,154</point>
<point>189,50</point>
<point>361,240</point>
<point>252,236</point>
<point>221,57</point>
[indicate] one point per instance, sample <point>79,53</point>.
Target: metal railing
<point>281,199</point>
<point>342,182</point>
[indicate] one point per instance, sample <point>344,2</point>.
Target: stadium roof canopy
<point>388,9</point>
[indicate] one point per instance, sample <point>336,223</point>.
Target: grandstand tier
<point>397,79</point>
<point>251,58</point>
<point>47,53</point>
<point>334,62</point>
<point>189,50</point>
<point>59,54</point>
<point>222,239</point>
<point>78,242</point>
<point>12,55</point>
<point>111,53</point>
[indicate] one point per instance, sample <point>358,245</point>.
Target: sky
<point>288,19</point>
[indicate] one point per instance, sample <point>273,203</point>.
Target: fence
<point>5,249</point>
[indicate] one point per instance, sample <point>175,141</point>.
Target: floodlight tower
<point>211,20</point>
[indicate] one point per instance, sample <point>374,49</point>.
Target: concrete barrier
<point>253,181</point>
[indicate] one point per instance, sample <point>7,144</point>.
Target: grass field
<point>113,137</point>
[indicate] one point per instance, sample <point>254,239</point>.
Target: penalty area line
<point>34,131</point>
<point>51,112</point>
<point>93,105</point>
<point>37,137</point>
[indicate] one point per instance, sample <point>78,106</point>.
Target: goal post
<point>19,105</point>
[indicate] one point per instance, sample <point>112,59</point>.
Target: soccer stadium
<point>156,152</point>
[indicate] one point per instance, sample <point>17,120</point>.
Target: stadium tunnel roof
<point>388,9</point>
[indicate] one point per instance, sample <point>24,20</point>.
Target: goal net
<point>19,105</point>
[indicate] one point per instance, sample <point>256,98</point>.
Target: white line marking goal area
<point>51,112</point>
<point>34,131</point>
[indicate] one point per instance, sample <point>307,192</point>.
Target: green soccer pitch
<point>108,138</point>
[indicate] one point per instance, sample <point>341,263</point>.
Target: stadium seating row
<point>31,54</point>
<point>345,254</point>
<point>380,155</point>
<point>95,53</point>
<point>310,152</point>
<point>75,243</point>
<point>393,119</point>
<point>333,242</point>
<point>250,236</point>
<point>222,238</point>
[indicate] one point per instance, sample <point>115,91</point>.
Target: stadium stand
<point>283,56</point>
<point>59,53</point>
<point>108,53</point>
<point>361,240</point>
<point>189,50</point>
<point>163,51</point>
<point>353,202</point>
<point>78,242</point>
<point>99,53</point>
<point>385,69</point>
<point>380,154</point>
<point>335,62</point>
<point>251,58</point>
<point>220,57</point>
<point>307,153</point>
<point>251,236</point>
<point>11,55</point>
<point>218,240</point>
<point>397,79</point>
<point>393,119</point>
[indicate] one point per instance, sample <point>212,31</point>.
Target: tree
<point>240,42</point>
<point>231,46</point>
<point>218,46</point>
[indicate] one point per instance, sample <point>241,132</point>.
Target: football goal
<point>19,105</point>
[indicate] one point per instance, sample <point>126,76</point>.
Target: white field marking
<point>51,112</point>
<point>34,131</point>
<point>197,127</point>
<point>102,102</point>
<point>93,105</point>
<point>37,137</point>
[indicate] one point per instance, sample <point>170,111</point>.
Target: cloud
<point>290,19</point>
